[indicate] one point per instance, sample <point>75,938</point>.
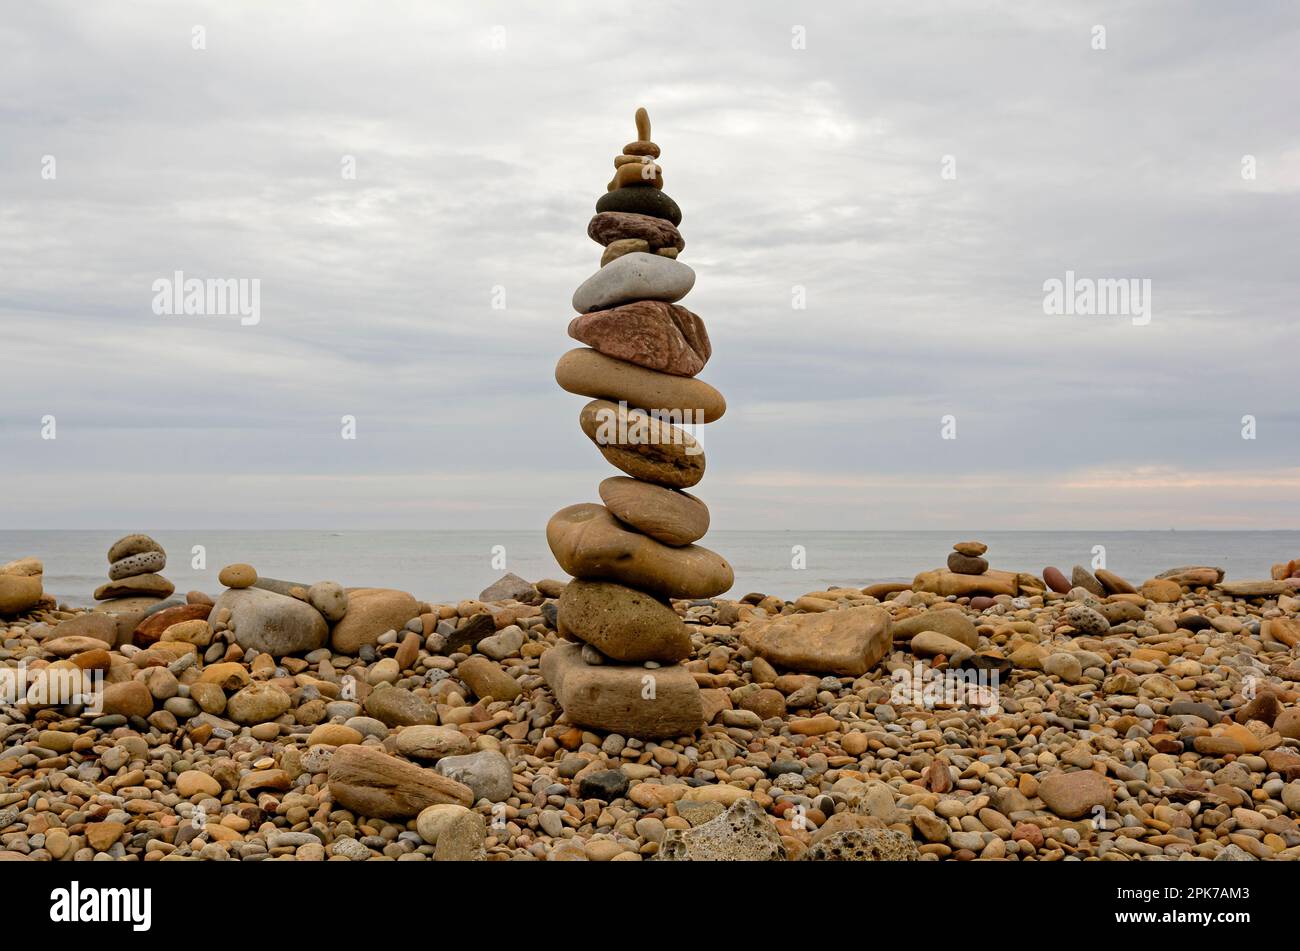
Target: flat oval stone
<point>141,564</point>
<point>651,334</point>
<point>679,399</point>
<point>967,564</point>
<point>146,584</point>
<point>622,623</point>
<point>238,575</point>
<point>634,277</point>
<point>639,173</point>
<point>641,147</point>
<point>642,446</point>
<point>666,515</point>
<point>641,201</point>
<point>590,543</point>
<point>610,226</point>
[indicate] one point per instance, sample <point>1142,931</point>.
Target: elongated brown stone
<point>371,783</point>
<point>667,515</point>
<point>589,542</point>
<point>642,446</point>
<point>610,226</point>
<point>678,399</point>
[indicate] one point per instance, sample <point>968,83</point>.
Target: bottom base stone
<point>644,702</point>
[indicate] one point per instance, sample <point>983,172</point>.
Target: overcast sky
<point>482,135</point>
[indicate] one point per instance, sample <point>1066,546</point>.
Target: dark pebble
<point>607,784</point>
<point>641,200</point>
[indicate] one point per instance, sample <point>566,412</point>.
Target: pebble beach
<point>1092,719</point>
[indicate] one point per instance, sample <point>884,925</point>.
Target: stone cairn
<point>632,555</point>
<point>133,566</point>
<point>967,558</point>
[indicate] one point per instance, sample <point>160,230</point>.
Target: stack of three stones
<point>134,563</point>
<point>635,553</point>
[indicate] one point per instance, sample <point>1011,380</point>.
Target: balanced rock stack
<point>967,558</point>
<point>635,553</point>
<point>968,575</point>
<point>133,566</point>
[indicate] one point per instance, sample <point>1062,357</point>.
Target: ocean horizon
<point>451,565</point>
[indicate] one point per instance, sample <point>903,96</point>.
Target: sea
<point>454,565</point>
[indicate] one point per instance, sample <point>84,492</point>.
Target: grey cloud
<point>479,168</point>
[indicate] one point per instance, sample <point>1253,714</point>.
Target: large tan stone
<point>28,567</point>
<point>589,543</point>
<point>372,783</point>
<point>670,516</point>
<point>846,642</point>
<point>949,583</point>
<point>146,585</point>
<point>632,701</point>
<point>99,626</point>
<point>622,623</point>
<point>946,621</point>
<point>588,373</point>
<point>642,446</point>
<point>1075,795</point>
<point>258,703</point>
<point>273,623</point>
<point>372,612</point>
<point>20,585</point>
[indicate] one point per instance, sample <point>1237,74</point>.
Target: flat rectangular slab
<point>630,700</point>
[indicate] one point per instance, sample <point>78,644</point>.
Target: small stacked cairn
<point>966,558</point>
<point>635,553</point>
<point>133,565</point>
<point>968,575</point>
